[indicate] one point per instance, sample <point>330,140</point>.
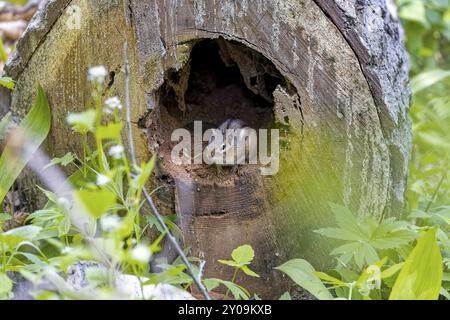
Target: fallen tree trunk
<point>331,74</point>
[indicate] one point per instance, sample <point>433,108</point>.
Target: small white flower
<point>97,74</point>
<point>102,180</point>
<point>64,203</point>
<point>116,151</point>
<point>110,223</point>
<point>66,250</point>
<point>113,104</point>
<point>141,253</point>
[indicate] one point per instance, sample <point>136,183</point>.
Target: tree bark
<point>334,75</point>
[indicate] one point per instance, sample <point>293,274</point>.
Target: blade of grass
<point>35,128</point>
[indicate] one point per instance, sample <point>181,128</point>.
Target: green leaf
<point>243,254</point>
<point>5,217</point>
<point>3,55</point>
<point>393,239</point>
<point>111,131</point>
<point>428,78</point>
<point>82,122</point>
<point>302,273</point>
<point>237,291</point>
<point>346,220</point>
<point>249,272</point>
<point>6,286</point>
<point>9,242</point>
<point>144,173</point>
<point>231,263</point>
<point>389,272</point>
<point>7,82</point>
<point>26,232</point>
<point>67,159</point>
<point>96,202</point>
<point>414,10</point>
<point>336,233</point>
<point>330,280</point>
<point>421,275</point>
<point>286,296</point>
<point>35,127</point>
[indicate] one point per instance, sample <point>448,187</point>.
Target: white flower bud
<point>97,74</point>
<point>116,151</point>
<point>141,253</point>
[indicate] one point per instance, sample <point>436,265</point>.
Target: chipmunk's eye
<point>223,147</point>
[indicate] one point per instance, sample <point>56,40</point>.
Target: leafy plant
<point>361,274</point>
<point>302,273</point>
<point>34,128</point>
<point>421,276</point>
<point>94,216</point>
<point>364,238</point>
<point>241,258</point>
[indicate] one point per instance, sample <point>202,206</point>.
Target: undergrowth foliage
<point>92,222</point>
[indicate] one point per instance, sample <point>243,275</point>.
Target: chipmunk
<point>227,154</point>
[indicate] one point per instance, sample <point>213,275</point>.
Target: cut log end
<point>282,64</point>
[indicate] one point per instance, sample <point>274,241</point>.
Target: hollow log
<point>332,76</point>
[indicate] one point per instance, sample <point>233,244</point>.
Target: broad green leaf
<point>421,275</point>
<point>82,122</point>
<point>249,272</point>
<point>96,202</point>
<point>243,254</point>
<point>346,220</point>
<point>231,263</point>
<point>393,239</point>
<point>8,242</point>
<point>389,272</point>
<point>336,233</point>
<point>35,128</point>
<point>302,273</point>
<point>428,78</point>
<point>26,232</point>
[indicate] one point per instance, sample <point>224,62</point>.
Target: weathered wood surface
<point>344,99</point>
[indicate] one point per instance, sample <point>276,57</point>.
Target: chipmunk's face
<point>226,152</point>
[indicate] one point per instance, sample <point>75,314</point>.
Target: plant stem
<point>232,280</point>
<point>147,196</point>
<point>436,191</point>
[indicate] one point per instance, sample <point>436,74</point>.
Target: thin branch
<point>436,192</point>
<point>148,198</point>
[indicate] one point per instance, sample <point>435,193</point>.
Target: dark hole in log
<point>222,79</point>
<point>215,89</point>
